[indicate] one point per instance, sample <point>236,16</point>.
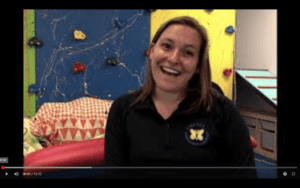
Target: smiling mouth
<point>170,72</point>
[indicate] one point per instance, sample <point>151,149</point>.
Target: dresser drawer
<point>267,125</point>
<point>268,140</point>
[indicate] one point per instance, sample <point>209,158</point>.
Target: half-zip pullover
<point>138,136</point>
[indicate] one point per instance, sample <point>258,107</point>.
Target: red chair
<point>84,153</point>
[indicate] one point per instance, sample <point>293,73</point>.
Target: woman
<point>176,119</point>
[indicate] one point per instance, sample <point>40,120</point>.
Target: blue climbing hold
<point>230,29</point>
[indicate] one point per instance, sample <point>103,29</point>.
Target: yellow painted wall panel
<point>222,44</point>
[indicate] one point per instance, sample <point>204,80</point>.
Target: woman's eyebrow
<point>168,39</point>
<point>191,46</point>
<point>172,41</point>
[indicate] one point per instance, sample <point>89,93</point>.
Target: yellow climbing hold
<point>79,35</point>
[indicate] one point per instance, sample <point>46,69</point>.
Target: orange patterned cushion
<point>78,120</point>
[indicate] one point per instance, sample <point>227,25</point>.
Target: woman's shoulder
<point>226,114</point>
<point>223,100</point>
<point>126,100</point>
<point>225,106</point>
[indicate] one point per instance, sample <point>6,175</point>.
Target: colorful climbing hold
<point>79,35</point>
<point>79,67</point>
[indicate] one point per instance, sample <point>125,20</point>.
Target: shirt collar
<point>148,104</point>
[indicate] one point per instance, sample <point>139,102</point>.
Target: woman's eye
<point>166,46</point>
<point>189,53</point>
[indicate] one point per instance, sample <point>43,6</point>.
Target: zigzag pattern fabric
<point>78,120</point>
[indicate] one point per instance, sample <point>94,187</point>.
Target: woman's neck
<point>168,98</point>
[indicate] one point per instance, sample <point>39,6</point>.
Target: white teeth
<point>170,70</point>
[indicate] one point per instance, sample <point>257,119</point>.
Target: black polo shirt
<point>137,136</point>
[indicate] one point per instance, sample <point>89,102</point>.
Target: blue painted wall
<point>123,35</point>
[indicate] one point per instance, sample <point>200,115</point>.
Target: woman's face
<point>174,58</point>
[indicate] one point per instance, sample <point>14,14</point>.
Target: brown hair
<point>199,88</point>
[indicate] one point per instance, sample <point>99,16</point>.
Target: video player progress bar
<point>38,167</point>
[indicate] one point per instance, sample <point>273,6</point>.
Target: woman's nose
<point>174,56</point>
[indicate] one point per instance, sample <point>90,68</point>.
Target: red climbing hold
<point>79,67</point>
<point>227,72</point>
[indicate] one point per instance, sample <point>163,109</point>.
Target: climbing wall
<point>93,53</point>
<point>69,54</point>
<point>220,25</point>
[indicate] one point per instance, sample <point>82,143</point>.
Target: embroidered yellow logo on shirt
<point>196,134</point>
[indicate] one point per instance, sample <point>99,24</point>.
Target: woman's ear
<point>151,50</point>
